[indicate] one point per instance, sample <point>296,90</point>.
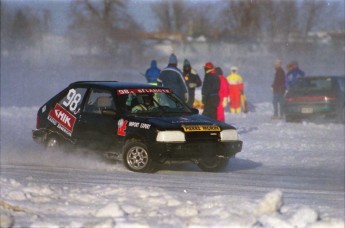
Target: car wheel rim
<point>137,158</point>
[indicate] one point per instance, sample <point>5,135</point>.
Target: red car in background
<point>316,96</point>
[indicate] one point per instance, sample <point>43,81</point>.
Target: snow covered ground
<point>288,175</point>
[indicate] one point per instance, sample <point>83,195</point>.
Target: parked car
<point>316,96</point>
<point>140,124</point>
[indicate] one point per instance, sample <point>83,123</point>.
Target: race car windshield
<point>154,103</point>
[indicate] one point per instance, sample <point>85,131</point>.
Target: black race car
<point>142,125</point>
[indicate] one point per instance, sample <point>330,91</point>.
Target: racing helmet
<point>145,99</point>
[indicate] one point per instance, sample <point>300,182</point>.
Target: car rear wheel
<point>341,115</point>
<point>292,118</point>
<point>137,157</point>
<point>214,164</point>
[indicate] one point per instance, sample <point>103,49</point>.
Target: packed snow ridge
<point>114,206</point>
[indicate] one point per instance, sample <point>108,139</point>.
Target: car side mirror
<point>195,111</point>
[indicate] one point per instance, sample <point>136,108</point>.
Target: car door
<point>64,113</point>
<point>97,126</point>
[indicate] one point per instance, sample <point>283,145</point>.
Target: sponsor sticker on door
<point>64,119</point>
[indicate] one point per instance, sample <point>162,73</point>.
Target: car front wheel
<point>137,157</point>
<point>214,164</point>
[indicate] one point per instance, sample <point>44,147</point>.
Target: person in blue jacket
<point>172,78</point>
<point>152,73</point>
<point>293,73</point>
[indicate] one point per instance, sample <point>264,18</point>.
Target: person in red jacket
<point>223,94</point>
<point>235,90</point>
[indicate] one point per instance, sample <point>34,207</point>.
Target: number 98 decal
<point>72,100</point>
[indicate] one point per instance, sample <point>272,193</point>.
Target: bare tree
<point>317,14</point>
<point>279,19</point>
<point>6,26</point>
<point>186,17</point>
<point>102,24</point>
<point>26,30</point>
<point>242,19</point>
<point>47,20</point>
<point>202,22</point>
<point>172,16</point>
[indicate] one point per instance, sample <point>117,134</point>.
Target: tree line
<point>107,24</point>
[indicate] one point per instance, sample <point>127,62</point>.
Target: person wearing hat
<point>192,80</point>
<point>292,74</point>
<point>209,91</point>
<point>235,90</point>
<point>172,78</point>
<point>152,73</point>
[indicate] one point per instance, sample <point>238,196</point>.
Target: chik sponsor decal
<point>62,118</point>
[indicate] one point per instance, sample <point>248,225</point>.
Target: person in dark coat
<point>192,80</point>
<point>209,91</point>
<point>278,87</point>
<point>152,73</point>
<point>172,78</point>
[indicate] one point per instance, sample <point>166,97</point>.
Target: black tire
<point>292,118</point>
<point>341,115</point>
<point>137,157</point>
<point>214,164</point>
<point>288,118</point>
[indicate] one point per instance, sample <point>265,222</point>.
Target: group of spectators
<point>217,90</point>
<point>281,83</point>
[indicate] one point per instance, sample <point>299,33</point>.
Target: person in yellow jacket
<point>235,90</point>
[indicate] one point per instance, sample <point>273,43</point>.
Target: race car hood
<point>176,122</point>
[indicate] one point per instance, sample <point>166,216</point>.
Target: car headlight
<point>229,135</point>
<point>170,136</point>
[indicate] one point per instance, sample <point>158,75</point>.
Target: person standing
<point>235,90</point>
<point>292,75</point>
<point>192,80</point>
<point>152,73</point>
<point>278,87</point>
<point>172,78</point>
<point>223,94</point>
<point>209,91</point>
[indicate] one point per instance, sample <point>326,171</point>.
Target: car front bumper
<point>197,150</point>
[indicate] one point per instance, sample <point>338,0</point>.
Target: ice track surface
<point>288,174</point>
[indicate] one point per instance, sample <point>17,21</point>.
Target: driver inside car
<point>145,103</point>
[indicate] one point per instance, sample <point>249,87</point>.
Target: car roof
<point>113,84</point>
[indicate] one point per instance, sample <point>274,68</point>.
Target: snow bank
<point>114,206</point>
